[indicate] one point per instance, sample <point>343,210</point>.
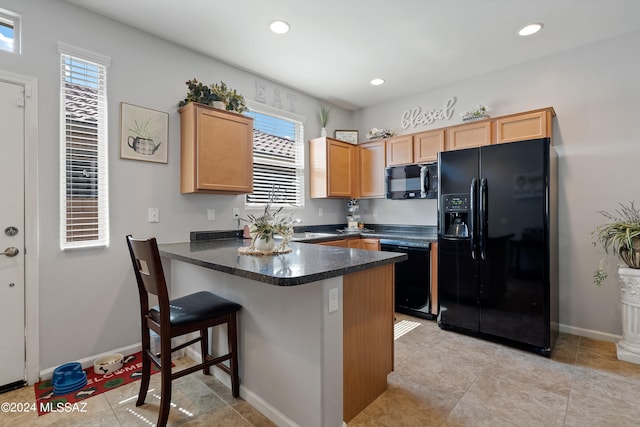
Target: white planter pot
<point>263,246</point>
<point>629,347</point>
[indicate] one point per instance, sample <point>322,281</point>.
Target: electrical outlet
<point>375,213</point>
<point>320,212</point>
<point>333,300</point>
<point>154,215</point>
<point>236,213</point>
<point>211,214</point>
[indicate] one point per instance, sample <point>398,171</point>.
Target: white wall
<point>88,301</point>
<point>88,298</point>
<point>595,93</point>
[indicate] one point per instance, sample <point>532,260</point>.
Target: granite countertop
<point>304,264</point>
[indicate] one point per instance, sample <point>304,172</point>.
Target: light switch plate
<point>154,215</point>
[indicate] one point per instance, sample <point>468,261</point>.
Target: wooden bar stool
<point>172,318</point>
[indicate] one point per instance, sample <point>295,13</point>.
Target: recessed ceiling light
<point>530,29</point>
<point>279,27</point>
<point>377,82</point>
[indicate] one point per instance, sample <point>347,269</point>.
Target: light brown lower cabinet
<point>357,243</point>
<point>340,243</point>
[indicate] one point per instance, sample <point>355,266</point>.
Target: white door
<point>12,291</point>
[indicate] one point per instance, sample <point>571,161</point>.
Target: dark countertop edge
<point>282,281</point>
<point>425,233</point>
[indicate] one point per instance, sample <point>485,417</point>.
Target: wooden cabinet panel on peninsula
<point>469,135</point>
<point>216,151</point>
<point>333,168</point>
<point>372,164</point>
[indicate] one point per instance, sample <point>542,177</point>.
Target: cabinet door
<point>400,150</point>
<point>354,243</point>
<point>341,164</point>
<point>523,126</point>
<point>372,162</point>
<point>224,152</point>
<point>339,243</point>
<point>426,146</point>
<point>469,135</point>
<point>370,244</point>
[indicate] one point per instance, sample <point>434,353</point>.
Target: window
<point>84,202</point>
<point>9,31</point>
<point>278,160</point>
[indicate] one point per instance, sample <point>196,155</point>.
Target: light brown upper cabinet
<point>372,164</point>
<point>415,148</point>
<point>520,127</point>
<point>399,150</point>
<point>426,146</point>
<point>216,151</point>
<point>333,168</point>
<point>469,135</point>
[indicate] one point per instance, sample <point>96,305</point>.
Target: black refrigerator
<point>498,243</point>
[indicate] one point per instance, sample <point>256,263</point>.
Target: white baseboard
<point>250,397</point>
<point>87,362</point>
<point>588,333</point>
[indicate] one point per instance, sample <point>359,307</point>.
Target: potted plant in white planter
<point>325,111</point>
<point>621,236</point>
<point>265,227</point>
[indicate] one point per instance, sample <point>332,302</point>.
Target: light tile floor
<point>441,379</point>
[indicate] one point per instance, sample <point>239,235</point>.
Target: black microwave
<point>412,182</point>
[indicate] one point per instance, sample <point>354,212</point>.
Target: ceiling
<point>335,47</point>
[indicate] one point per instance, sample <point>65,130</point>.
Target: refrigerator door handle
<point>472,216</point>
<point>483,218</point>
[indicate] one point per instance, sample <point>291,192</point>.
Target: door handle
<point>484,223</point>
<point>10,252</point>
<point>472,216</point>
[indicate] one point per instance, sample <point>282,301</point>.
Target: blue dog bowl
<point>68,378</point>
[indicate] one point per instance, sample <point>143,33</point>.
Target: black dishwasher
<point>413,277</point>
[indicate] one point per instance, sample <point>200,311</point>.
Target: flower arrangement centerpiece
<point>479,112</point>
<point>621,237</point>
<point>264,228</point>
<point>376,133</point>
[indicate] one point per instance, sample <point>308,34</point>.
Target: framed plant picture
<point>350,136</point>
<point>144,133</point>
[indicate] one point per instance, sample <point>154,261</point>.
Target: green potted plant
<point>220,93</point>
<point>236,102</point>
<point>325,111</point>
<point>620,236</point>
<point>197,92</point>
<point>213,94</point>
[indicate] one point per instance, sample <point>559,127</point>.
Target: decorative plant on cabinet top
<point>216,92</point>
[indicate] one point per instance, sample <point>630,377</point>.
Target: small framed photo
<point>350,136</point>
<point>144,133</point>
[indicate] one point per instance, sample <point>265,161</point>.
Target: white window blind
<point>9,31</point>
<point>278,160</point>
<point>84,201</point>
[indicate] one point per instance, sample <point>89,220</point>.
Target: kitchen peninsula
<point>316,327</point>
